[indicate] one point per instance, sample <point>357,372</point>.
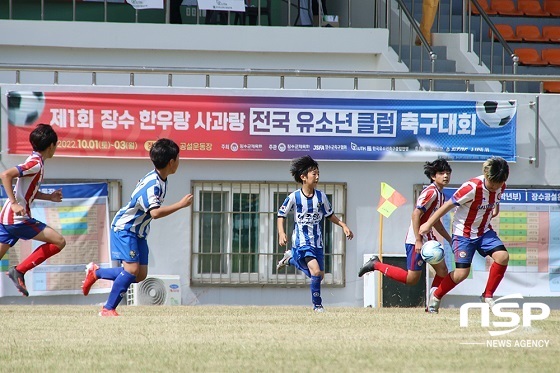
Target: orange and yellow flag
<point>390,200</point>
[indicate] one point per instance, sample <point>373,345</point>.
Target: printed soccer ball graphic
<point>432,252</point>
<point>24,108</point>
<point>496,114</point>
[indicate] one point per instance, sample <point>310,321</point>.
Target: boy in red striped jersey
<point>15,219</point>
<point>428,202</point>
<point>477,202</point>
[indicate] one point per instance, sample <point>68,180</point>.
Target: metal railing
<point>246,74</point>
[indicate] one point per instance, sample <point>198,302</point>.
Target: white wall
<point>170,237</point>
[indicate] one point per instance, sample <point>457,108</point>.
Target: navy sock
<point>316,290</point>
<point>118,291</point>
<point>109,273</point>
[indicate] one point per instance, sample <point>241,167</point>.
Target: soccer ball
<point>24,108</point>
<point>496,114</point>
<point>432,252</point>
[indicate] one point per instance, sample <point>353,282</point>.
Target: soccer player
<point>131,226</point>
<point>310,206</point>
<point>429,201</point>
<point>477,202</point>
<point>15,219</point>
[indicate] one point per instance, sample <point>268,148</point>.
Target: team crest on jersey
<point>283,208</point>
<point>132,254</point>
<point>462,254</point>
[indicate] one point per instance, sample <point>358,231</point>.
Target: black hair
<point>162,152</point>
<point>432,168</point>
<point>496,169</point>
<point>42,137</point>
<point>301,166</point>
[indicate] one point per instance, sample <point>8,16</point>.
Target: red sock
<point>495,276</point>
<point>447,284</point>
<point>437,281</point>
<point>396,273</point>
<point>37,257</point>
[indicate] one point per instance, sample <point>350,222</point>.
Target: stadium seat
<point>551,87</point>
<point>529,33</point>
<point>529,57</point>
<point>532,8</point>
<point>551,33</point>
<point>506,31</point>
<point>506,8</point>
<point>552,56</point>
<point>487,8</point>
<point>553,7</point>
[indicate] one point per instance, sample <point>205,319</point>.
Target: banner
<point>83,219</point>
<point>146,4</point>
<point>528,225</point>
<point>224,5</point>
<point>249,127</point>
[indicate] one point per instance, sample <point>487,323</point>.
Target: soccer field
<point>259,339</point>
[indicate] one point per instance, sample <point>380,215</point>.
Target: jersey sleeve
<point>425,198</point>
<point>464,194</point>
<point>286,206</point>
<point>153,199</point>
<point>327,207</point>
<point>29,168</point>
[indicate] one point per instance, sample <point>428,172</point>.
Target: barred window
<point>235,234</point>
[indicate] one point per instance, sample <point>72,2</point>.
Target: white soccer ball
<point>432,252</point>
<point>496,114</point>
<point>24,108</point>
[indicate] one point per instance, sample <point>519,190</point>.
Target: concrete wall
<point>143,45</point>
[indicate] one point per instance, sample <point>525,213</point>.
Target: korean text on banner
<point>390,200</point>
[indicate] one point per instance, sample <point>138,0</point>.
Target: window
<point>235,236</point>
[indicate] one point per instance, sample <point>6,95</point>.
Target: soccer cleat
<point>19,280</point>
<point>285,260</point>
<point>90,277</point>
<point>433,302</point>
<point>369,266</point>
<point>491,302</point>
<point>108,313</point>
<point>318,309</point>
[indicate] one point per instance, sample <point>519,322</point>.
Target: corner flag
<point>389,201</point>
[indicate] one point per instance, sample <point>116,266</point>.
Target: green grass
<point>262,339</point>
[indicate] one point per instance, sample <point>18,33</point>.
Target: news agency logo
<point>504,308</point>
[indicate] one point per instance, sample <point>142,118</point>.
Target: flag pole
<point>379,274</point>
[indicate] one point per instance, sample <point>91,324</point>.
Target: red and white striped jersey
<point>27,186</point>
<point>474,209</point>
<point>429,200</point>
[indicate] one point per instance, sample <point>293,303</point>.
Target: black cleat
<point>19,280</point>
<point>369,266</point>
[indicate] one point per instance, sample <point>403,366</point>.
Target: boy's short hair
<point>301,166</point>
<point>496,169</point>
<point>432,168</point>
<point>162,152</point>
<point>42,137</point>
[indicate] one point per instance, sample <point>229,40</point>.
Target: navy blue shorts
<point>464,248</point>
<point>414,261</point>
<point>27,230</point>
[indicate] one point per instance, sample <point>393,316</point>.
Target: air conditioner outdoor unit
<point>155,290</point>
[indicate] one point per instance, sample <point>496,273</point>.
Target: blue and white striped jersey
<point>135,217</point>
<point>308,217</point>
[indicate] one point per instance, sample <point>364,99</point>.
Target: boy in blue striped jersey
<point>131,226</point>
<point>310,207</point>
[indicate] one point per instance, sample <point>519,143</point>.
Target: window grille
<point>235,235</point>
